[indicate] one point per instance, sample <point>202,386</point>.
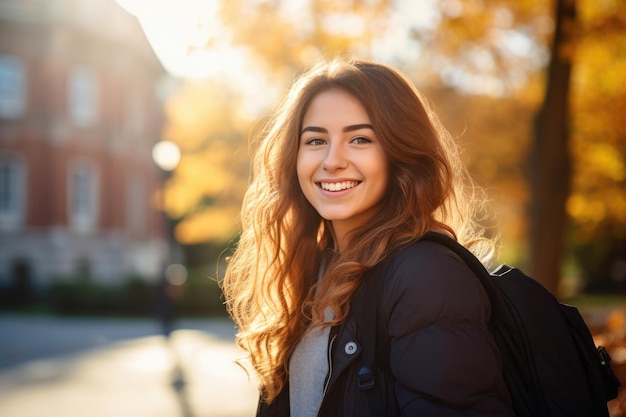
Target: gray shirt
<point>308,368</point>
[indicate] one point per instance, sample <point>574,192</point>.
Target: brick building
<point>79,115</point>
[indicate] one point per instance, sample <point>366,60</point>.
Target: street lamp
<point>166,156</point>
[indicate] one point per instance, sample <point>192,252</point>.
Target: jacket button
<point>350,348</point>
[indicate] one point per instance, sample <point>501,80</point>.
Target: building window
<point>12,193</point>
<point>83,197</point>
<point>134,114</point>
<point>83,97</point>
<point>12,87</point>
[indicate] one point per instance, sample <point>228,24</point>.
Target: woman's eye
<point>315,142</point>
<point>360,140</point>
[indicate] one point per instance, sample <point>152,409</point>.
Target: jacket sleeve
<point>442,357</point>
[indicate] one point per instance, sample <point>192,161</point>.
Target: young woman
<point>351,171</point>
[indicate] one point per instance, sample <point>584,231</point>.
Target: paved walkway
<point>52,367</point>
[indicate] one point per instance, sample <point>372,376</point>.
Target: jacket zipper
<point>330,368</point>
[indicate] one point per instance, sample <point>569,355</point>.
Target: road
<point>76,367</point>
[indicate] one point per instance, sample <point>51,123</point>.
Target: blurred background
<point>124,155</point>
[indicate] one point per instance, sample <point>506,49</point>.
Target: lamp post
<point>166,155</point>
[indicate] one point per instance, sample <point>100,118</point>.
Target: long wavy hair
<point>273,273</point>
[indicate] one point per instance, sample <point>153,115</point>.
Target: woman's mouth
<point>338,186</point>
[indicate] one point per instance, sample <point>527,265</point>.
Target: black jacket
<point>435,354</point>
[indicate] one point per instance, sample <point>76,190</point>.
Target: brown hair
<point>269,280</point>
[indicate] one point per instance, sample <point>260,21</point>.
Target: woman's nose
<point>335,158</point>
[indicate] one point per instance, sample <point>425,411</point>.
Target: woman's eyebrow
<point>345,129</point>
<point>314,129</point>
<point>357,127</point>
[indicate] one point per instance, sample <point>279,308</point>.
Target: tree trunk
<point>550,165</point>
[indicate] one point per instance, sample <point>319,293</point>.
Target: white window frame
<point>12,192</point>
<point>12,87</point>
<point>83,196</point>
<point>83,96</point>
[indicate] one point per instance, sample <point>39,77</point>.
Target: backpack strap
<point>367,311</point>
<point>472,262</point>
<point>367,308</point>
<point>366,317</point>
<point>521,333</point>
<point>367,335</point>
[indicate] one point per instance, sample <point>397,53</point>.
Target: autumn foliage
<point>483,65</point>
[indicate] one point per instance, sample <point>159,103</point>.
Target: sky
<point>179,30</point>
<point>174,26</point>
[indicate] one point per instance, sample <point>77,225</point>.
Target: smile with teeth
<point>338,186</point>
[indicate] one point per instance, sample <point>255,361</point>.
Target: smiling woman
<point>341,165</point>
<point>349,175</point>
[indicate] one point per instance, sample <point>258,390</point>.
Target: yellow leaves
<point>598,201</point>
<point>598,10</point>
<point>597,164</point>
<point>210,121</point>
<point>198,110</point>
<point>589,210</point>
<point>216,223</point>
<point>199,175</point>
<point>599,196</point>
<point>606,160</point>
<point>287,35</point>
<point>601,66</point>
<point>211,170</point>
<point>585,210</point>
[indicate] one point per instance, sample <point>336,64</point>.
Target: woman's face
<point>342,167</point>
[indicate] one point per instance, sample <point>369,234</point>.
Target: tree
<point>581,210</point>
<point>550,166</point>
<point>486,66</point>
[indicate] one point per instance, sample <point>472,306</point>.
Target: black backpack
<point>551,365</point>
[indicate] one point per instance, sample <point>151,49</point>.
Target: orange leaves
<point>597,205</point>
<point>206,188</point>
<point>199,175</point>
<point>505,44</point>
<point>217,224</point>
<point>604,161</point>
<point>616,322</point>
<point>198,110</point>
